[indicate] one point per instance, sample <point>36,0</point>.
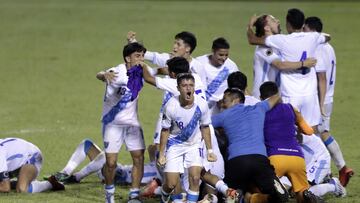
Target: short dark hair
<point>260,25</point>
<point>235,93</point>
<point>237,80</point>
<point>178,65</point>
<point>131,48</point>
<point>268,89</point>
<point>296,18</point>
<point>188,38</point>
<point>220,43</point>
<point>314,23</point>
<point>184,76</point>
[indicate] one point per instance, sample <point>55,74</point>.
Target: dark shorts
<point>251,171</point>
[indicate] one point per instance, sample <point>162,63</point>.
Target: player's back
<point>294,47</point>
<point>16,152</point>
<point>329,59</point>
<point>314,149</point>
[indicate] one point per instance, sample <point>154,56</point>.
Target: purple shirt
<point>280,131</point>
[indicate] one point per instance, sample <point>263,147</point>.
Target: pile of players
<point>214,141</point>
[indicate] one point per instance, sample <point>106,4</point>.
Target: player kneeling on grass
<point>89,149</point>
<point>282,148</point>
<point>23,160</point>
<point>186,119</point>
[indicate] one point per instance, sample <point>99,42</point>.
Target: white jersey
<point>295,47</point>
<point>160,59</point>
<point>120,108</point>
<point>326,62</point>
<point>262,69</point>
<point>123,173</point>
<point>16,152</point>
<point>169,85</point>
<point>251,100</point>
<point>216,77</point>
<point>184,124</point>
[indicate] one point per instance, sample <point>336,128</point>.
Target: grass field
<point>51,51</point>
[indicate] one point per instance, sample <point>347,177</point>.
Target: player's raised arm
<point>252,38</point>
<point>107,76</point>
<point>131,37</point>
<point>148,77</point>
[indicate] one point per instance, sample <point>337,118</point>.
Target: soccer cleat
<point>311,198</point>
<point>281,192</point>
<point>340,191</point>
<point>148,191</point>
<point>345,174</point>
<point>56,185</point>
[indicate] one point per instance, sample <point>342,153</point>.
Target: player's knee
<point>22,188</point>
<point>111,164</point>
<point>195,179</point>
<point>138,161</point>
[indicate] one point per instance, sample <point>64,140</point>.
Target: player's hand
<point>211,157</point>
<point>110,76</point>
<point>253,20</point>
<point>310,62</point>
<point>161,161</point>
<point>322,110</point>
<point>131,37</point>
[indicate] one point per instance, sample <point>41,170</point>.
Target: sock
<point>93,166</point>
<point>221,187</point>
<point>78,156</point>
<point>109,193</point>
<point>176,198</point>
<point>39,186</point>
<point>322,189</point>
<point>335,152</point>
<point>134,193</point>
<point>164,195</point>
<point>192,196</point>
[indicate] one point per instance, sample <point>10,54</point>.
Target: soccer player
<point>267,61</point>
<point>298,87</point>
<point>89,149</point>
<point>218,66</point>
<point>120,119</point>
<point>239,80</point>
<point>281,145</point>
<point>184,44</point>
<point>249,165</point>
<point>23,160</point>
<point>186,119</point>
<point>326,71</point>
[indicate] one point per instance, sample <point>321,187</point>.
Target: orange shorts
<point>293,167</point>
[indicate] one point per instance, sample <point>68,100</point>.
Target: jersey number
<point>121,91</point>
<point>180,124</point>
<point>331,82</point>
<point>304,70</point>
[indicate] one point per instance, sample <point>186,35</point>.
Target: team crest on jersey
<point>269,52</point>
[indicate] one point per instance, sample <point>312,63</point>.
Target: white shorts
<point>180,157</point>
<point>217,167</point>
<point>115,135</point>
<point>325,119</point>
<point>308,107</point>
<point>316,171</point>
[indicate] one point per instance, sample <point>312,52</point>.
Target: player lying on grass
<point>88,149</point>
<point>318,168</point>
<point>23,160</point>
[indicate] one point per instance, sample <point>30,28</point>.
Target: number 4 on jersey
<point>304,70</point>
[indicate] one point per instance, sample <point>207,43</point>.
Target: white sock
<point>221,187</point>
<point>335,152</point>
<point>109,193</point>
<point>157,191</point>
<point>192,196</point>
<point>93,166</point>
<point>134,192</point>
<point>77,157</point>
<point>164,195</point>
<point>322,189</point>
<point>39,186</point>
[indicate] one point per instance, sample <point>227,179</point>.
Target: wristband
<point>302,64</point>
<point>209,151</point>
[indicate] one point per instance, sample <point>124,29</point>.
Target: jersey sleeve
<point>274,41</point>
<point>166,120</point>
<point>320,38</point>
<point>268,55</point>
<point>167,84</point>
<point>156,58</point>
<point>205,116</point>
<point>320,63</point>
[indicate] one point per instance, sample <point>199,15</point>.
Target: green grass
<point>51,51</point>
